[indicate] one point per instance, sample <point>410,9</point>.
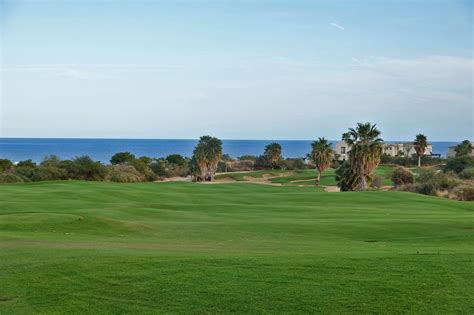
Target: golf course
<point>102,248</point>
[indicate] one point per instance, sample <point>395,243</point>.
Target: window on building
<point>343,150</point>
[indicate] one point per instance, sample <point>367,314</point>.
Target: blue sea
<point>17,149</point>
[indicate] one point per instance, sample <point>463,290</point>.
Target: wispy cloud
<point>337,26</point>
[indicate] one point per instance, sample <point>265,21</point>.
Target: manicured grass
<point>101,248</point>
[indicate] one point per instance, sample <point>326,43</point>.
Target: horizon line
<point>195,139</point>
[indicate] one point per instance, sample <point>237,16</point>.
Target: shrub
<point>458,164</point>
<point>26,171</point>
<point>240,165</point>
<point>26,163</point>
<point>293,164</point>
<point>122,158</point>
<point>464,192</point>
<point>7,178</point>
<point>467,173</point>
<point>247,158</point>
<point>85,168</point>
<point>143,168</point>
<point>377,182</point>
<point>5,165</point>
<point>123,173</point>
<point>345,178</point>
<point>430,182</point>
<point>402,176</point>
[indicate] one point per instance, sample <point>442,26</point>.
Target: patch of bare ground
<point>332,189</point>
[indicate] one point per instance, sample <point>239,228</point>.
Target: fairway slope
<point>95,247</point>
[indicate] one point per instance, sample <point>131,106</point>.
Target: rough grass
<point>305,177</point>
<point>77,247</point>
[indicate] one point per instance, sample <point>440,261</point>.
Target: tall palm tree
<point>365,153</point>
<point>207,154</point>
<point>322,156</point>
<point>420,144</point>
<point>273,154</point>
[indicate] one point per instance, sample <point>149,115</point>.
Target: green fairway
<point>98,248</point>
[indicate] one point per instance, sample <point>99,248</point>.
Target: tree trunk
<point>318,178</point>
<point>419,160</point>
<point>363,181</point>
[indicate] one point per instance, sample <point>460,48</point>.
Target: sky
<point>236,69</point>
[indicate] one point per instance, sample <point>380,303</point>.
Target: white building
<point>392,149</point>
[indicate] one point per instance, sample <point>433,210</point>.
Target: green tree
<point>365,153</point>
<point>122,158</point>
<point>464,148</point>
<point>207,154</point>
<point>273,154</point>
<point>420,144</point>
<point>322,155</point>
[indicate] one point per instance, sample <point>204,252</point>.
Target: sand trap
<point>332,189</point>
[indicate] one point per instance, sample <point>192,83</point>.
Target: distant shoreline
<point>17,149</point>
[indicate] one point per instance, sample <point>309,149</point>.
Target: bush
<point>402,176</point>
<point>8,178</point>
<point>467,173</point>
<point>345,178</point>
<point>176,159</point>
<point>122,158</point>
<point>26,163</point>
<point>377,182</point>
<point>464,193</point>
<point>26,171</point>
<point>430,182</point>
<point>122,173</point>
<point>5,165</point>
<point>293,164</point>
<point>85,168</point>
<point>240,165</point>
<point>458,164</point>
<point>247,158</point>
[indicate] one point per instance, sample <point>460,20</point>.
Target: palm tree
<point>365,153</point>
<point>273,154</point>
<point>322,156</point>
<point>420,145</point>
<point>207,154</point>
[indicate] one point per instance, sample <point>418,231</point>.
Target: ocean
<point>17,149</point>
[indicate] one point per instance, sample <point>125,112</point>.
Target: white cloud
<point>337,26</point>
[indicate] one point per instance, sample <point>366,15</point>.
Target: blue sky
<point>236,69</point>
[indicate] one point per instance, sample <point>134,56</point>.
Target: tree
<point>420,145</point>
<point>322,156</point>
<point>273,154</point>
<point>207,154</point>
<point>365,153</point>
<point>464,148</point>
<point>122,158</point>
